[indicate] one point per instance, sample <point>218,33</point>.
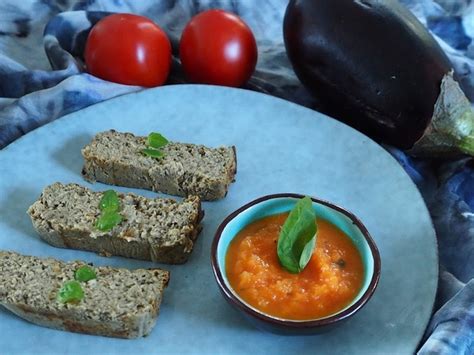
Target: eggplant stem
<point>451,131</point>
<point>467,145</point>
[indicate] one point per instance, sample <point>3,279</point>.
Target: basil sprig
<point>109,216</point>
<point>85,273</point>
<point>297,238</point>
<point>109,201</point>
<point>71,292</point>
<point>155,142</point>
<point>154,153</point>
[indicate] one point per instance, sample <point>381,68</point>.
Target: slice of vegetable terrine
<point>157,229</point>
<point>78,297</point>
<point>179,169</point>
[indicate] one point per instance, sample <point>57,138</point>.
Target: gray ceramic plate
<point>281,147</point>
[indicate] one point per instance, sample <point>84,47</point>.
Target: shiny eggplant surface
<point>370,63</point>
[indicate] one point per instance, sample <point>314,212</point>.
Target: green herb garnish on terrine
<point>153,153</point>
<point>85,273</point>
<point>109,216</point>
<point>155,142</point>
<point>71,291</point>
<point>109,201</point>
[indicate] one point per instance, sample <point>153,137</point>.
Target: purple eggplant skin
<point>370,63</point>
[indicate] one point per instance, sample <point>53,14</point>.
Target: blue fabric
<point>42,78</point>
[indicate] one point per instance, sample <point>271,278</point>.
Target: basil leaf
<point>109,217</point>
<point>307,252</point>
<point>84,274</point>
<point>109,201</point>
<point>297,237</point>
<point>154,153</point>
<point>71,291</point>
<point>108,220</point>
<point>156,140</point>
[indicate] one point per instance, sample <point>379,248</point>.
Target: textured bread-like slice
<point>156,229</point>
<point>186,169</point>
<point>119,303</point>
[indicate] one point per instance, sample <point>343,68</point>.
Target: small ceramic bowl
<point>279,203</point>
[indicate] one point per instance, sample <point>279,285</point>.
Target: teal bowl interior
<point>335,215</point>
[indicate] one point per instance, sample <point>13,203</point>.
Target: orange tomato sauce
<point>329,282</point>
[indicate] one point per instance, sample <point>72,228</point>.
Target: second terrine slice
<point>184,169</point>
<point>157,229</point>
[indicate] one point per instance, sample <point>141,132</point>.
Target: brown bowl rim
<point>296,324</point>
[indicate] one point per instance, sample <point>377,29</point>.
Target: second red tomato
<point>218,48</point>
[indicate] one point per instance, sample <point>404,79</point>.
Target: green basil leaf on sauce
<point>307,252</point>
<point>297,238</point>
<point>154,153</point>
<point>109,201</point>
<point>156,140</point>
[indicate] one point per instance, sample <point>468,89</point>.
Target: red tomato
<point>218,48</point>
<point>128,49</point>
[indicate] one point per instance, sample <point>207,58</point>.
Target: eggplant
<point>373,65</point>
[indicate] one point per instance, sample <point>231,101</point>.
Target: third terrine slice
<point>156,229</point>
<point>105,301</point>
<point>184,169</point>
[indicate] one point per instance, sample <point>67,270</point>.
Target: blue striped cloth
<point>42,78</point>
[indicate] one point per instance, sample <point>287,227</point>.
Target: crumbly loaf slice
<point>157,229</point>
<point>186,169</point>
<point>119,303</point>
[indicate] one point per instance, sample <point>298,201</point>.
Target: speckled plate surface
<point>281,147</point>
